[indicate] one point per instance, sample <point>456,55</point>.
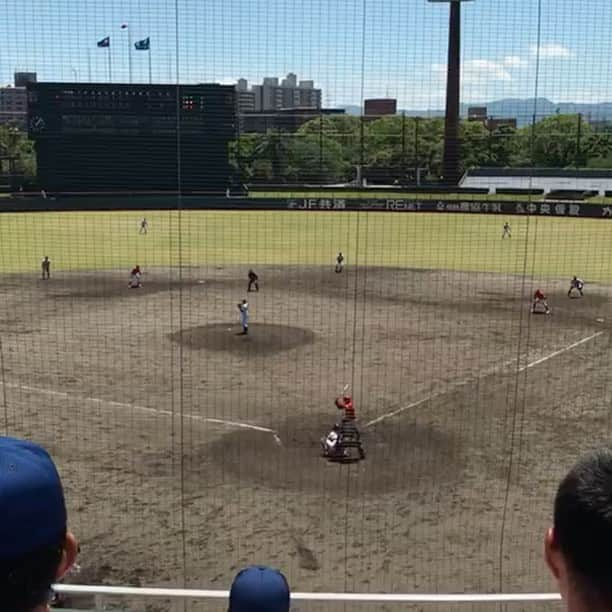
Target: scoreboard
<point>113,137</point>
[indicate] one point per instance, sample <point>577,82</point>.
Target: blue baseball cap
<point>259,589</point>
<point>32,507</point>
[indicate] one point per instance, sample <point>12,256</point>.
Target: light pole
<point>451,171</point>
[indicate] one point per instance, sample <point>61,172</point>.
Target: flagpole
<point>110,72</point>
<point>88,65</point>
<point>129,52</point>
<point>150,71</point>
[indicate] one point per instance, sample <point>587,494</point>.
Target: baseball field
<point>189,451</point>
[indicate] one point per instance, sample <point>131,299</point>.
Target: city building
<point>273,95</point>
<point>478,113</point>
<point>481,115</point>
<point>377,107</point>
<point>14,100</point>
<point>23,78</point>
<point>494,123</point>
<point>286,120</point>
<point>91,136</point>
<point>245,98</point>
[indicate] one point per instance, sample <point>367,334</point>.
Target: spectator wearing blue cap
<point>36,549</point>
<point>259,589</point>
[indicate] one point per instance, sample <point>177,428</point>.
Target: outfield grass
<point>555,247</point>
<point>364,193</point>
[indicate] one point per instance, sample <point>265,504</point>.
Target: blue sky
<point>401,52</point>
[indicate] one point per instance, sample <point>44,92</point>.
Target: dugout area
<point>161,418</point>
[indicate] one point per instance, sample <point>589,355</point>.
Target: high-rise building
<point>270,96</point>
<point>290,80</point>
<point>245,99</point>
<point>14,100</point>
<point>13,105</point>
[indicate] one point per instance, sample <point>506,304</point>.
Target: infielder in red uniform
<point>540,298</point>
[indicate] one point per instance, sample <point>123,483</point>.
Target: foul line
<point>239,425</point>
<point>147,409</point>
<point>560,351</point>
<point>484,374</point>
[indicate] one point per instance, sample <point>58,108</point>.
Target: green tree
<point>429,139</point>
<point>561,141</point>
<point>475,144</point>
<point>260,157</point>
<point>483,147</point>
<point>18,152</point>
<point>344,131</point>
<point>316,158</point>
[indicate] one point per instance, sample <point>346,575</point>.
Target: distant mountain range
<point>521,109</point>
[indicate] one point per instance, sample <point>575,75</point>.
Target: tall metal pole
<point>89,66</point>
<point>129,33</point>
<point>320,148</point>
<point>150,70</point>
<point>404,139</point>
<point>578,142</point>
<point>451,164</point>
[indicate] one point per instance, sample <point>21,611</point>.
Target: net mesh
<point>189,448</point>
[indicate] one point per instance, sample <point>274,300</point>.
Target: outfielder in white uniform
<point>244,316</point>
<point>339,263</point>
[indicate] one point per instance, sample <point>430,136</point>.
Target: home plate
<point>201,282</point>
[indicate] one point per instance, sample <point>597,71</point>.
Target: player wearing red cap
<point>346,403</point>
<point>540,298</point>
<point>135,276</point>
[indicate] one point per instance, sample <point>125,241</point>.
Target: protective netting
<point>189,448</point>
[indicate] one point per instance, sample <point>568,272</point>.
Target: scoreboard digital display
<point>109,136</point>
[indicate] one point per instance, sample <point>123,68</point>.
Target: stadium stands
<point>545,180</point>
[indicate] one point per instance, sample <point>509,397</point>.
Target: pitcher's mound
<point>262,339</point>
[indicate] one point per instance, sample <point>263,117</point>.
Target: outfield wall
<point>173,202</point>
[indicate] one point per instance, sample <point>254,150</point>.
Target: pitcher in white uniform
<point>244,316</point>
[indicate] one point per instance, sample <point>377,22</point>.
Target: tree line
<point>328,149</point>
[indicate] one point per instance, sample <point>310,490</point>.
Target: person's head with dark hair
<point>578,547</point>
<point>36,549</point>
<point>259,589</point>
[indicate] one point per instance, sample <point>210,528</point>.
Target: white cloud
<point>551,50</point>
<point>514,61</point>
<point>478,71</point>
